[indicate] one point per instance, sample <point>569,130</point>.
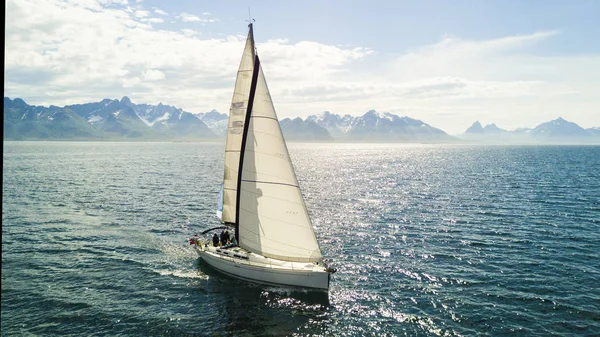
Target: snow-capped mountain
<point>335,124</point>
<point>216,121</point>
<point>303,130</point>
<point>559,128</point>
<point>118,119</point>
<point>377,126</point>
<point>23,121</point>
<point>106,119</point>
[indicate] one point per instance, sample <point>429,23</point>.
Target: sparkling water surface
<point>428,240</point>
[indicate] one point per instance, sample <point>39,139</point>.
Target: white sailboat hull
<point>252,267</point>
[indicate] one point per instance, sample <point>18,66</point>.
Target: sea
<point>427,240</point>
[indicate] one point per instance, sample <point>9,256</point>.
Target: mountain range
<point>124,120</point>
<point>555,131</point>
<point>107,119</point>
<point>379,127</point>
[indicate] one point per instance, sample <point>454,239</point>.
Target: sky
<point>447,63</point>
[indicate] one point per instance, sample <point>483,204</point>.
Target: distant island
<point>123,120</point>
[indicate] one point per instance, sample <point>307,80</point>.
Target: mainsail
<point>261,193</point>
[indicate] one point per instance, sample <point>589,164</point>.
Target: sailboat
<point>260,198</point>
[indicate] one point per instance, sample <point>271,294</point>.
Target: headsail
<point>220,204</point>
<point>237,115</point>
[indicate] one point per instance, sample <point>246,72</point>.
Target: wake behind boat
<point>260,199</point>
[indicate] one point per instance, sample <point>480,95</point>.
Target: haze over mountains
<point>555,131</point>
<point>124,120</point>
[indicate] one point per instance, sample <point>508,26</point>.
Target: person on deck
<point>232,243</point>
<point>226,235</point>
<point>215,240</point>
<point>222,238</point>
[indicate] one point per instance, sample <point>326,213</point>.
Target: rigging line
<point>268,182</point>
<point>267,117</point>
<point>276,197</point>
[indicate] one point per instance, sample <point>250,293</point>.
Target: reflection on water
<point>255,309</point>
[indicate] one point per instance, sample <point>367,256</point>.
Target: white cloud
<point>306,60</point>
<point>457,57</point>
<point>189,32</point>
<point>159,11</point>
<point>504,80</point>
<point>153,75</point>
<point>185,17</point>
<point>452,83</point>
<point>86,53</point>
<point>141,14</point>
<point>81,51</point>
<point>153,20</point>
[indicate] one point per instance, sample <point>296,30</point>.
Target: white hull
<point>238,263</point>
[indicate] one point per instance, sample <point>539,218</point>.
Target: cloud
<point>154,20</point>
<point>189,32</point>
<point>185,17</point>
<point>306,60</point>
<point>141,14</point>
<point>159,11</point>
<point>455,81</point>
<point>153,75</point>
<point>505,79</point>
<point>86,52</point>
<point>80,51</point>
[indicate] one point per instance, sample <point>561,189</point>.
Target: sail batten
<point>269,182</point>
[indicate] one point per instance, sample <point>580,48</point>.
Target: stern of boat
<point>199,244</point>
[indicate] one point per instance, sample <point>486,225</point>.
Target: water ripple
<point>428,240</point>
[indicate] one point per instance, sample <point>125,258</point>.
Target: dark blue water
<point>428,240</point>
